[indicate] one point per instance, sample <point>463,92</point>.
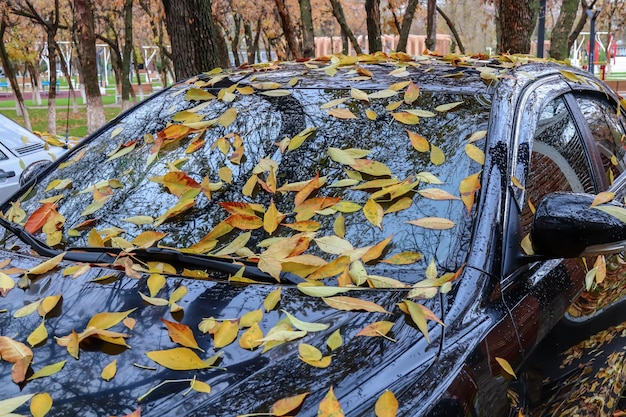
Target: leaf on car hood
<point>18,354</point>
<point>177,359</point>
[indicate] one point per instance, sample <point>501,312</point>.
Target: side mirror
<point>566,226</point>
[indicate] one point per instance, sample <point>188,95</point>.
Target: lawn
<point>74,121</point>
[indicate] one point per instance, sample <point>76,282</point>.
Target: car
<point>21,150</point>
<point>372,235</point>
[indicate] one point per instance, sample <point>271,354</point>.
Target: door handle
<point>5,174</point>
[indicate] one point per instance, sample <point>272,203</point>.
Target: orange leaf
<point>178,183</point>
<point>335,267</point>
<point>329,406</point>
<point>238,208</point>
<point>287,405</point>
<point>181,334</point>
<point>379,328</point>
<point>304,226</point>
<point>412,93</point>
<point>375,251</point>
<point>371,167</point>
<point>180,207</point>
<point>311,186</point>
<point>468,188</point>
<point>40,217</point>
<point>307,209</point>
<point>419,142</point>
<point>18,354</point>
<point>244,222</point>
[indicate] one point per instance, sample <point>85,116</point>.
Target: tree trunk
<point>517,22</point>
<point>308,40</point>
<point>52,91</point>
<point>374,40</point>
<point>252,42</point>
<point>288,29</point>
<point>345,29</point>
<point>452,28</point>
<point>235,43</point>
<point>10,73</point>
<point>197,44</point>
<point>405,29</point>
<point>562,28</point>
<point>86,44</point>
<point>580,25</point>
<point>431,26</point>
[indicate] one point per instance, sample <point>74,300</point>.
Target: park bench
<point>146,88</point>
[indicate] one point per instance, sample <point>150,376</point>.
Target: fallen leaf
<point>46,266</point>
<point>329,406</point>
<point>250,339</point>
<point>48,370</point>
<point>226,334</point>
<point>18,354</point>
<point>437,223</point>
<point>286,405</point>
<point>306,326</point>
<point>506,366</point>
<point>181,334</point>
<point>447,107</point>
<point>109,371</point>
<point>379,328</point>
<point>386,405</point>
<point>177,359</point>
<point>39,335</point>
<point>346,303</point>
<point>6,284</point>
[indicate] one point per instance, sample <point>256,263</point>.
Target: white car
<point>21,150</point>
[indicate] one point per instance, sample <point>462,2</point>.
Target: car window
<point>558,162</point>
<point>237,159</point>
<point>609,133</point>
<point>3,156</point>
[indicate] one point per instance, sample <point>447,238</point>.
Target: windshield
<point>297,179</point>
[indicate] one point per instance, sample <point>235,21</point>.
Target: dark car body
<point>542,128</point>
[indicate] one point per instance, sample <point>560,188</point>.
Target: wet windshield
<point>298,179</point>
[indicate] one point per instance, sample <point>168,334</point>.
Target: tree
<point>516,22</point>
<point>345,29</point>
<point>156,17</point>
<point>86,44</point>
<point>431,26</point>
<point>288,29</point>
<point>559,48</point>
<point>306,16</point>
<point>374,40</point>
<point>197,44</point>
<point>405,28</point>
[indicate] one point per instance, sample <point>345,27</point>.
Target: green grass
<point>76,121</point>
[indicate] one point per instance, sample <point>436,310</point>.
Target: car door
<point>566,142</point>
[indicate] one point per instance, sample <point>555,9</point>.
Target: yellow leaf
<point>304,226</point>
<point>226,334</point>
<point>346,207</point>
<point>286,405</point>
<point>39,335</point>
<point>335,267</point>
<point>333,103</point>
<point>309,352</point>
<point>375,251</point>
<point>436,194</point>
<point>276,93</point>
<point>359,94</point>
<point>306,326</point>
<point>386,405</point>
<point>341,113</point>
<point>320,290</point>
<point>342,302</point>
<point>371,114</point>
<point>475,153</point>
<point>476,136</point>
<point>406,118</point>
<point>339,226</point>
<point>106,320</point>
<point>177,359</point>
<point>228,117</point>
<point>374,213</point>
<point>225,174</point>
<point>418,142</point>
<point>154,300</point>
<point>109,371</point>
<point>323,362</point>
<point>403,258</point>
<point>251,317</point>
<point>250,339</point>
<point>506,366</point>
<point>197,94</point>
<point>412,93</point>
<point>40,404</point>
<point>272,218</point>
<point>437,223</point>
<point>155,283</point>
<point>334,341</point>
<point>238,243</point>
<point>416,312</point>
<point>73,347</point>
<point>447,107</point>
<point>383,94</point>
<point>437,157</point>
<point>603,197</point>
<point>333,244</point>
<point>272,299</point>
<point>329,406</point>
<point>374,168</point>
<point>148,238</point>
<point>181,334</point>
<point>6,284</point>
<point>468,188</point>
<point>402,204</point>
<point>200,386</point>
<point>48,370</point>
<point>27,309</point>
<point>46,266</point>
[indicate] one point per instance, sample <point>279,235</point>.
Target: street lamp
<point>592,14</point>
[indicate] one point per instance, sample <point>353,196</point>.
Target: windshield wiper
<point>109,255</point>
<point>178,258</point>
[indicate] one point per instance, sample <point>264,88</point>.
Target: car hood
<point>243,380</point>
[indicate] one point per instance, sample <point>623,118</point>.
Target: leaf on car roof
<point>177,359</point>
<point>341,113</point>
<point>181,334</point>
<point>18,354</point>
<point>342,302</point>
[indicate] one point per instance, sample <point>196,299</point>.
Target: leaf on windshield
<point>406,118</point>
<point>6,284</point>
<point>39,217</point>
<point>46,266</point>
<point>468,188</point>
<point>329,406</point>
<point>436,194</point>
<point>18,354</point>
<point>123,149</point>
<point>419,142</point>
<point>313,356</point>
<point>403,258</point>
<point>374,213</point>
<point>272,300</point>
<point>177,359</point>
<point>401,204</point>
<point>109,371</point>
<point>386,405</point>
<point>106,320</point>
<point>198,94</point>
<point>148,238</point>
<point>475,153</point>
<point>379,328</point>
<point>341,113</point>
<point>272,218</point>
<point>342,302</point>
<point>447,107</point>
<point>285,406</point>
<point>139,220</point>
<point>48,304</point>
<point>181,334</point>
<point>304,226</point>
<point>370,167</point>
<point>437,156</point>
<point>183,205</point>
<point>250,339</point>
<point>437,223</point>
